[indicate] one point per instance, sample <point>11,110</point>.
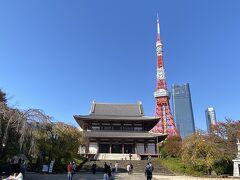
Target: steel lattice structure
<point>166,123</point>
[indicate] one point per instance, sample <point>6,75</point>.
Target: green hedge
<point>176,166</point>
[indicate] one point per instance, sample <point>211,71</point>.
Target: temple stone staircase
<point>138,166</point>
<point>115,156</point>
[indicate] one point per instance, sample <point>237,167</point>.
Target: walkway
<point>120,176</point>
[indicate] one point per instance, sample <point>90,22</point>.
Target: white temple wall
<point>93,148</point>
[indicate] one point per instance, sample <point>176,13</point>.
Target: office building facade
<point>182,109</point>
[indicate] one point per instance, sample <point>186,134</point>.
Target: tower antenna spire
<point>158,28</point>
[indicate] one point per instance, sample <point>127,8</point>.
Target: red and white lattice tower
<point>166,123</point>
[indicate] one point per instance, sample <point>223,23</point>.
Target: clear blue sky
<point>60,55</point>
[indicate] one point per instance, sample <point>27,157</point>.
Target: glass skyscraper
<point>182,109</point>
<point>210,118</point>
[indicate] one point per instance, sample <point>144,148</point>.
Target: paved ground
<point>120,176</point>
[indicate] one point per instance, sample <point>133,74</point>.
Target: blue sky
<point>60,55</point>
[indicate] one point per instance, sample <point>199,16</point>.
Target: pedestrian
<point>128,169</point>
<point>18,176</point>
<point>23,167</point>
<point>74,167</point>
<point>70,171</point>
<point>130,156</point>
<point>148,172</point>
<point>110,165</point>
<point>151,166</point>
<point>131,168</point>
<point>149,157</point>
<point>105,167</point>
<point>105,175</point>
<point>109,171</point>
<point>116,167</point>
<point>94,168</point>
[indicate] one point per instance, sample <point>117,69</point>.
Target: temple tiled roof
<point>109,111</point>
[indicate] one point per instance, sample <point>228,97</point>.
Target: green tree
<point>170,147</point>
<point>202,151</point>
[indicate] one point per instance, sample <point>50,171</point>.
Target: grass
<point>176,166</point>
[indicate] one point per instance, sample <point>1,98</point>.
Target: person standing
<point>130,156</point>
<point>116,167</point>
<point>94,168</point>
<point>74,167</point>
<point>70,171</point>
<point>148,172</point>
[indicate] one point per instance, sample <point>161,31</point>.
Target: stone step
<point>117,156</point>
<point>138,166</point>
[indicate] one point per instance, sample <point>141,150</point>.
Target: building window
<point>95,127</point>
<point>117,128</point>
<point>127,128</point>
<point>138,128</point>
<point>106,128</point>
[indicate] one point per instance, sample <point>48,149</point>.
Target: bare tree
<point>23,124</point>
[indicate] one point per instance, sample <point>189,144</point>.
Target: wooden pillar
<point>110,148</point>
<point>146,147</point>
<point>87,150</point>
<point>135,147</point>
<point>156,146</point>
<point>122,147</point>
<point>98,144</point>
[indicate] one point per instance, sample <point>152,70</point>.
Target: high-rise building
<point>182,109</point>
<point>210,118</point>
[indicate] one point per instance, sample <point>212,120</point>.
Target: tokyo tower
<point>166,124</point>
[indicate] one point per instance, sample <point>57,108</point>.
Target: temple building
<point>116,130</point>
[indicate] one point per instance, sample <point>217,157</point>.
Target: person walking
<point>70,171</point>
<point>128,169</point>
<point>105,175</point>
<point>148,172</point>
<point>151,166</point>
<point>94,168</point>
<point>131,168</point>
<point>110,165</point>
<point>116,167</point>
